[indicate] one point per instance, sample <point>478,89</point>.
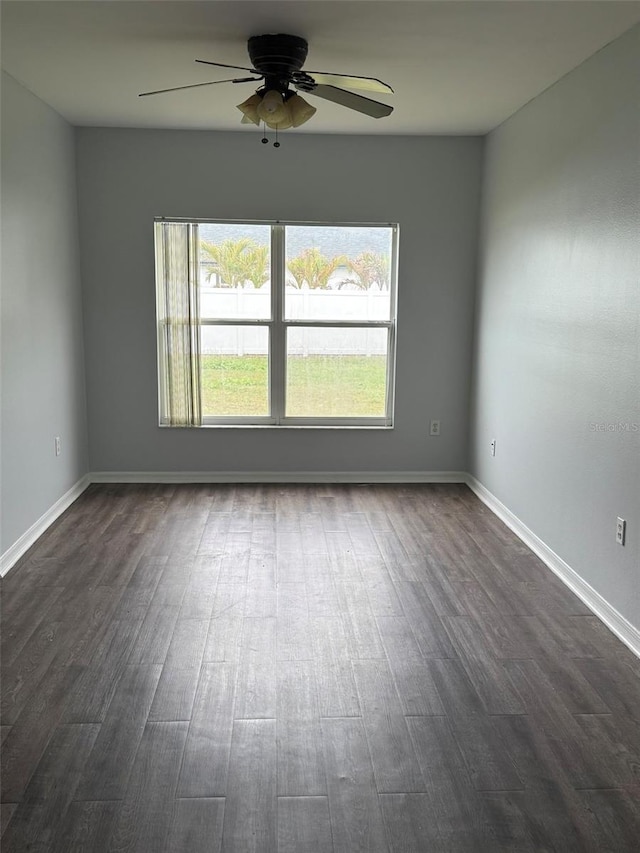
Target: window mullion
<point>278,331</point>
<point>393,328</point>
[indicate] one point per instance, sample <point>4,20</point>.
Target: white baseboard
<point>22,545</point>
<point>621,627</point>
<point>278,477</point>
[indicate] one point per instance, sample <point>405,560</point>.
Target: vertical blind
<point>178,303</point>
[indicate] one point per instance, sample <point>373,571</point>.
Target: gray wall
<point>42,346</point>
<point>429,185</point>
<point>558,336</point>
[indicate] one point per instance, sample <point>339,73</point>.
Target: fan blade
<point>366,84</point>
<point>222,65</point>
<point>350,100</point>
<point>197,85</point>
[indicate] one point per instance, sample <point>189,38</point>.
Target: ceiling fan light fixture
<point>283,121</point>
<point>249,110</point>
<point>271,108</point>
<point>301,111</point>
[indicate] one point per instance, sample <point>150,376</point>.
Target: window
<point>275,323</point>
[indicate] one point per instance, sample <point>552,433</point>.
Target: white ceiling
<point>456,67</point>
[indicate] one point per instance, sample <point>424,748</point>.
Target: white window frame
<point>278,325</point>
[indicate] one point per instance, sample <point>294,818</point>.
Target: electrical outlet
<point>493,447</point>
<point>621,530</point>
<point>58,445</point>
<point>434,428</point>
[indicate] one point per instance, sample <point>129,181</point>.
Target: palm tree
<point>371,268</point>
<point>237,261</point>
<point>225,260</point>
<point>256,265</point>
<point>313,269</point>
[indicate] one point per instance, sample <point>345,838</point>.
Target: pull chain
<point>265,140</point>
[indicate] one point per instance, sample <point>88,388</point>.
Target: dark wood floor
<point>307,668</point>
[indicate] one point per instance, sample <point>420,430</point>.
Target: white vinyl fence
<point>326,305</point>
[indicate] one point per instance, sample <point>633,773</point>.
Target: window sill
<point>284,426</point>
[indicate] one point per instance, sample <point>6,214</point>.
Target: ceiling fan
<point>277,60</point>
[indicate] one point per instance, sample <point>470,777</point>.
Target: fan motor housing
<point>277,54</point>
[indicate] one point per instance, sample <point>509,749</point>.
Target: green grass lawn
<point>317,386</point>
